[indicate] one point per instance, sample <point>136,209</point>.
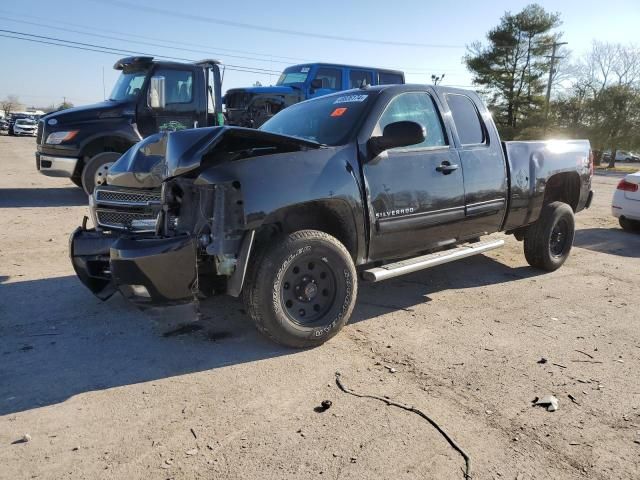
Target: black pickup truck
<point>361,185</point>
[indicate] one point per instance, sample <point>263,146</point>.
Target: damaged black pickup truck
<point>362,185</point>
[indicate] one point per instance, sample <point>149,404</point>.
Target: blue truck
<point>251,107</point>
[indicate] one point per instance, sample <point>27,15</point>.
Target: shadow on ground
<point>53,350</point>
<point>42,197</point>
<point>613,241</point>
<point>408,291</point>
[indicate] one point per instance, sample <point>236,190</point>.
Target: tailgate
<point>635,179</point>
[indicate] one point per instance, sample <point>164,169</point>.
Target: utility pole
<point>437,79</point>
<point>552,71</point>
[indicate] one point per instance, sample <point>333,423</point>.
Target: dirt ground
<point>106,391</point>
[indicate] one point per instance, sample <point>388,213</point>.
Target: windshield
<point>328,120</point>
<point>128,86</point>
<point>293,75</point>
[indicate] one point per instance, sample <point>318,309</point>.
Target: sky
<point>420,37</point>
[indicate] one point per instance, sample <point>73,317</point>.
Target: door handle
<point>446,168</point>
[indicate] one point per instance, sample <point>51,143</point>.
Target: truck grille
<point>135,197</point>
<point>126,209</point>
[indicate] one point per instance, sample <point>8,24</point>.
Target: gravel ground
<point>107,391</point>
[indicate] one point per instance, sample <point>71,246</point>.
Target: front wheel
<point>301,289</point>
<point>95,170</point>
<point>548,241</point>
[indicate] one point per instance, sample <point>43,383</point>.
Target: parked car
<point>621,156</point>
<point>150,96</point>
<point>25,126</point>
<point>15,117</point>
<point>4,125</point>
<point>328,192</point>
<point>251,107</point>
<point>626,202</point>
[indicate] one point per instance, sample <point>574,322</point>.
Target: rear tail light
<point>627,186</point>
<point>591,162</point>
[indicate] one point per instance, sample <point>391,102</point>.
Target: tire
<point>548,241</point>
<point>629,225</point>
<point>96,167</point>
<point>77,181</point>
<point>301,288</point>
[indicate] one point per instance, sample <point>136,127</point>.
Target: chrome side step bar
<point>426,261</point>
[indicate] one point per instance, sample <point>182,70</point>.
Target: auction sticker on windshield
<point>338,112</point>
<point>350,99</point>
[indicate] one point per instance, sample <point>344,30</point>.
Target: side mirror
<point>398,134</point>
<point>157,99</point>
<point>316,83</point>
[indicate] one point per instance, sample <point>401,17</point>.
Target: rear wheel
<point>548,242</point>
<point>629,225</point>
<point>301,288</point>
<point>95,170</point>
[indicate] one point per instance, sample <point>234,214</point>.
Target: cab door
<point>415,193</point>
<point>184,106</point>
<point>483,165</point>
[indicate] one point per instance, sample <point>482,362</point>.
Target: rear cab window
<point>358,78</point>
<point>331,77</point>
<point>388,78</point>
<point>469,125</point>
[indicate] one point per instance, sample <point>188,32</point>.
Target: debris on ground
<point>391,403</point>
<point>548,401</point>
<point>24,439</point>
<point>193,451</point>
<point>542,361</point>
<point>573,399</point>
<point>391,369</point>
<point>324,406</point>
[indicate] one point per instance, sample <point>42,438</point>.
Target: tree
<point>257,83</point>
<point>64,105</point>
<point>603,99</point>
<point>10,104</point>
<point>513,66</point>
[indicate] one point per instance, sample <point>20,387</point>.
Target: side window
<point>178,85</point>
<point>415,107</point>
<point>467,119</point>
<point>331,78</point>
<point>358,78</point>
<point>385,78</point>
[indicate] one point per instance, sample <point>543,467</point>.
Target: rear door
<point>483,166</point>
<point>414,203</point>
<point>331,78</point>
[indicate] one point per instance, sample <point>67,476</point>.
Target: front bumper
<point>56,166</point>
<point>147,271</point>
<point>20,131</point>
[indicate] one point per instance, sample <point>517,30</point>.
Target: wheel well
<point>102,144</point>
<point>331,217</point>
<point>563,187</point>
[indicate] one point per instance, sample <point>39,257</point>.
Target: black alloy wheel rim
<point>308,290</point>
<point>559,238</point>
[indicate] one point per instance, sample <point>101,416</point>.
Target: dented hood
<point>170,154</point>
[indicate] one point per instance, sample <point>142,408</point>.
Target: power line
<point>112,51</point>
<point>120,39</point>
<point>123,37</point>
<point>283,31</point>
<point>128,34</point>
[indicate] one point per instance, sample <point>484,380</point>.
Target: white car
<point>626,202</point>
<point>25,126</point>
